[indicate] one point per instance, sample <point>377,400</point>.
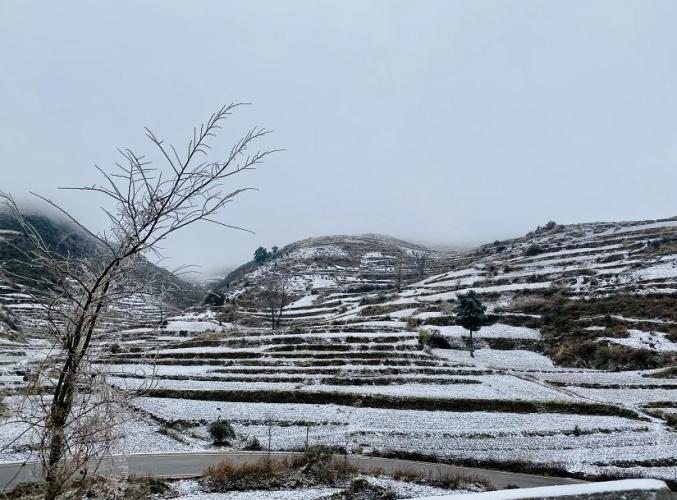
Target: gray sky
<point>448,122</point>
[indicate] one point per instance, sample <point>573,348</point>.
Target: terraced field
<point>572,374</point>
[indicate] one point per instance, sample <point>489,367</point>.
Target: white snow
<point>486,289</point>
<point>514,359</point>
<point>638,339</point>
<point>305,301</point>
<point>497,330</point>
<point>194,326</point>
<point>666,268</point>
<point>317,252</point>
<point>559,491</point>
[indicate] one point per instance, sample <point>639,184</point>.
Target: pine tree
<point>470,315</point>
<point>261,255</point>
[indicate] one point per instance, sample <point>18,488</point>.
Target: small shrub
<point>253,444</point>
<point>433,339</point>
<point>671,420</point>
<point>221,432</point>
<point>227,476</point>
<point>140,488</point>
<point>670,372</point>
<point>315,467</point>
<point>533,249</point>
<point>361,489</point>
<point>423,337</point>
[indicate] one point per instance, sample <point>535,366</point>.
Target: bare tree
<point>399,273</point>
<point>421,258</point>
<point>145,205</point>
<point>274,294</point>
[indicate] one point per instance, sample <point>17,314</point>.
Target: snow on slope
<point>341,340</point>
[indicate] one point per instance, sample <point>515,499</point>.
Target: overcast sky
<point>451,122</point>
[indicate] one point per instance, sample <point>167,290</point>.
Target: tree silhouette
<point>470,314</point>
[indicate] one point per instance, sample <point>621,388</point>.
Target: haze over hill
<point>22,301</point>
<point>454,123</point>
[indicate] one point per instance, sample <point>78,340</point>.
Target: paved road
<point>183,465</point>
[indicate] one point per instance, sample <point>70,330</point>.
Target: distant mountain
<point>349,264</point>
<point>18,306</point>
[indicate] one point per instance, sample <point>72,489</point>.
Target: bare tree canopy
<point>150,203</point>
<point>275,296</point>
<point>421,258</point>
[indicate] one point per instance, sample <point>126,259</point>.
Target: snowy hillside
<point>349,264</point>
<point>22,305</point>
<point>573,372</point>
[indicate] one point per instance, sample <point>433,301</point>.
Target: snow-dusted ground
<point>134,435</point>
<point>609,487</point>
<point>334,345</point>
<point>645,340</point>
<point>191,490</point>
<point>194,326</point>
<point>576,442</point>
<point>500,387</point>
<point>494,331</point>
<point>494,358</point>
<point>375,419</point>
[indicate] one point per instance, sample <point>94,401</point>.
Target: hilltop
<point>339,263</point>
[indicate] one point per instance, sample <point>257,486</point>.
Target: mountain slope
<point>17,297</point>
<point>573,371</point>
<point>602,294</point>
<point>331,264</point>
<point>569,377</point>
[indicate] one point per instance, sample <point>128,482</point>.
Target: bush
<point>360,489</point>
<point>433,339</point>
<point>603,356</point>
<point>413,323</point>
<point>221,431</point>
<point>227,476</point>
<point>533,249</point>
<point>549,227</point>
<point>253,444</point>
<point>316,467</point>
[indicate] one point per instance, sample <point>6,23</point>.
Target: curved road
<point>192,464</point>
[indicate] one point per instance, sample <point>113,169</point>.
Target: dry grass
<point>134,488</point>
<point>317,466</point>
<point>670,372</point>
<point>442,478</point>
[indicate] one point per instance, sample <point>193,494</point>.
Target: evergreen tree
<point>261,255</point>
<point>221,431</point>
<point>470,315</point>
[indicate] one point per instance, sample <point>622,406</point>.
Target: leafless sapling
<point>144,203</point>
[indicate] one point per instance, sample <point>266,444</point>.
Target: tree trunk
<point>279,317</point>
<point>472,346</point>
<point>59,412</point>
<point>283,301</point>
